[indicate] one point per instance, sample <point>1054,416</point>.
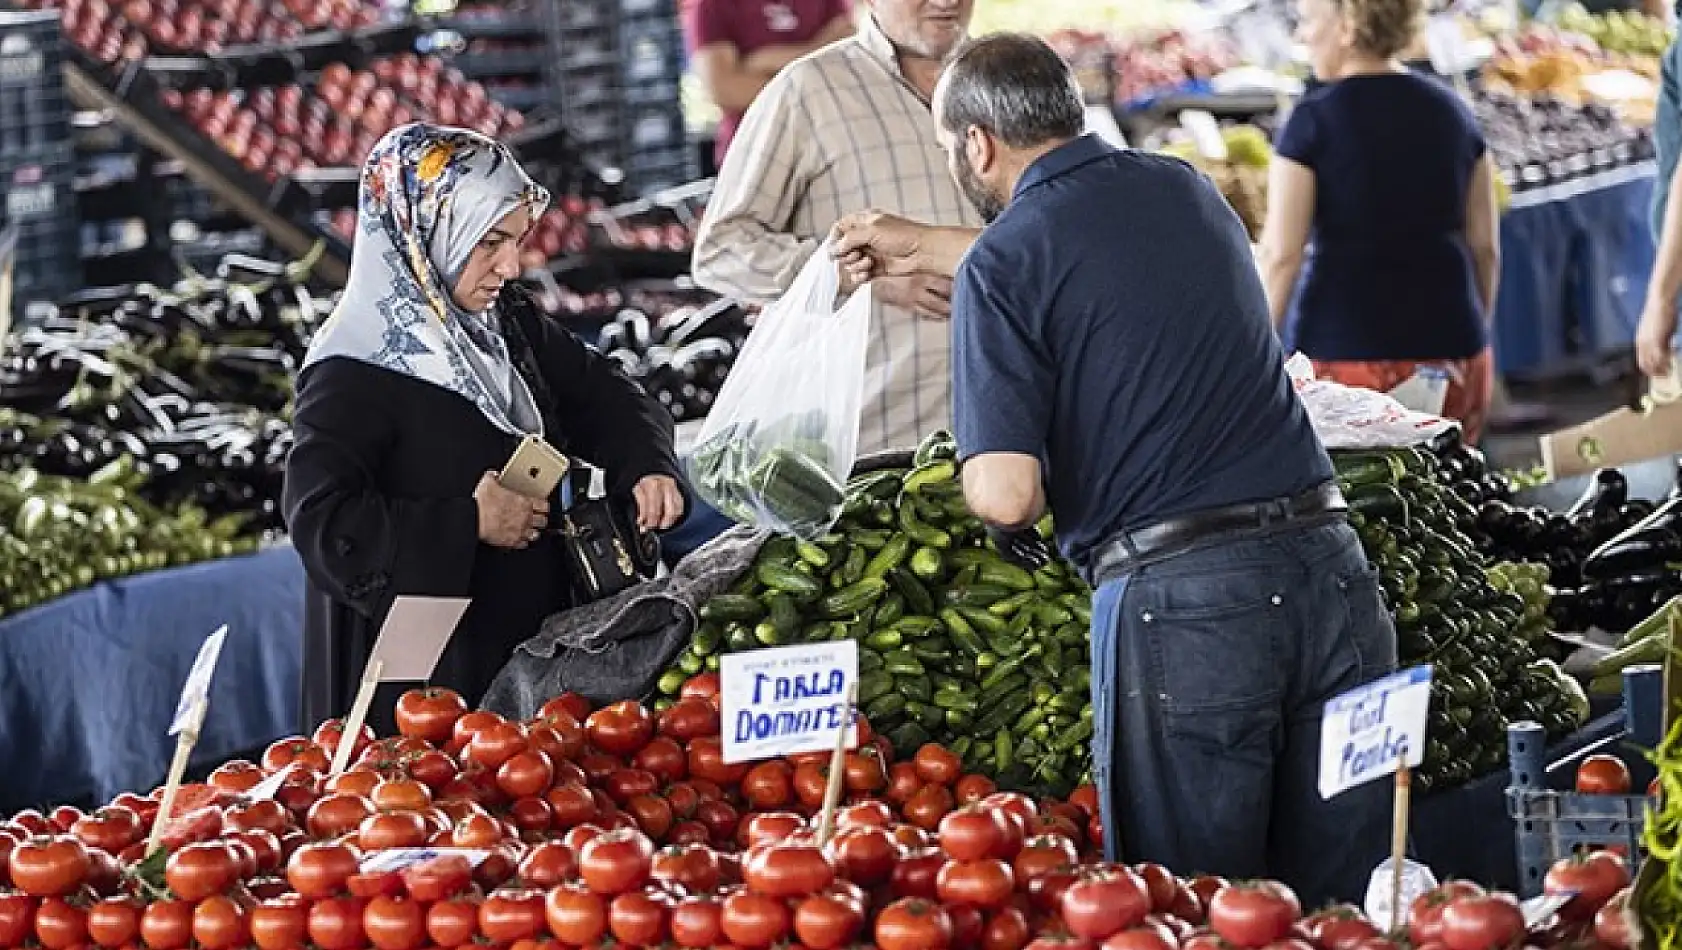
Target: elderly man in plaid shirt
<point>844,129</point>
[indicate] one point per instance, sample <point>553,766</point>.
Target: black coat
<point>379,501</point>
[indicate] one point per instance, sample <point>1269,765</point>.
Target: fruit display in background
<point>1241,176</point>
<point>1617,31</point>
<point>275,130</point>
<point>113,30</point>
<point>956,645</point>
<point>1543,139</point>
<point>1150,62</point>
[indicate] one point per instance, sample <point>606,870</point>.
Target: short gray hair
<point>1016,88</point>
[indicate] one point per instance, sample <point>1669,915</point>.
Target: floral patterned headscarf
<point>428,196</point>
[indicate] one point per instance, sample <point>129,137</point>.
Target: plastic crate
<point>648,8</point>
<point>1551,820</point>
<point>652,51</point>
<point>48,264</point>
<point>655,127</point>
<point>34,110</point>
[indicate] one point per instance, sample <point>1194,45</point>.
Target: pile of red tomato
<point>620,827</point>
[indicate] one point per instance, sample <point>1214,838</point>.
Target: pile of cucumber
<point>956,645</point>
<point>1474,622</point>
<point>775,476</point>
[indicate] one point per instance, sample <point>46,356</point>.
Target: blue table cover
<point>1575,260</point>
<point>89,682</point>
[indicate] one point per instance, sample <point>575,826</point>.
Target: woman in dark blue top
<point>1387,172</point>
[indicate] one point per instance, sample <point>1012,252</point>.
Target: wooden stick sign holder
<point>184,742</point>
<point>837,768</point>
<point>1399,843</point>
<point>358,715</point>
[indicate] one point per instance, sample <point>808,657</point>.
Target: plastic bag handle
<point>818,283</point>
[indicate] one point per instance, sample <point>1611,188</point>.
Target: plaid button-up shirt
<point>839,131</point>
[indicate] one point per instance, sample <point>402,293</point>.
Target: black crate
<point>649,8</point>
<point>583,88</point>
<point>662,93</point>
<point>571,15</point>
<point>595,125</point>
<point>48,263</point>
<point>651,51</point>
<point>655,127</point>
<point>34,111</point>
<point>584,49</point>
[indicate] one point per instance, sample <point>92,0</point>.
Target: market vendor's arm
<point>874,244</point>
<point>1284,241</point>
<point>1483,233</point>
<point>610,421</point>
<point>1657,328</point>
<point>745,247</point>
<point>1002,388</point>
<point>358,545</point>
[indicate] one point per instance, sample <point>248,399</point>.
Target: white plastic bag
<point>1349,418</point>
<point>779,443</point>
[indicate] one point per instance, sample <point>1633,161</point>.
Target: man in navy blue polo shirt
<point>1113,355</point>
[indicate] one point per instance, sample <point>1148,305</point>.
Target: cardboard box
<point>1619,437</point>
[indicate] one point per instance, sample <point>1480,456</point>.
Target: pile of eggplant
<point>682,356</point>
<point>184,389</point>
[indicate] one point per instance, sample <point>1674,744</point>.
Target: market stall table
<point>89,682</point>
<point>1575,259</point>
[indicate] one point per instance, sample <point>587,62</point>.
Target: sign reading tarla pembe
<point>785,700</point>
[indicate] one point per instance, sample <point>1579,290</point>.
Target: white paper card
<point>195,695</point>
<point>1205,133</point>
<point>1367,731</point>
<point>1446,44</point>
<point>786,700</point>
<point>1417,879</point>
<point>269,787</point>
<point>1540,909</point>
<point>414,636</point>
<point>397,859</point>
<point>1424,391</point>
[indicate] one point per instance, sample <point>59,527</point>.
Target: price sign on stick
<point>1370,732</point>
<point>396,859</point>
<point>189,719</point>
<point>412,639</point>
<point>786,700</point>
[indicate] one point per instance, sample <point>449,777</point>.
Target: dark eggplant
<point>1651,544</point>
<point>1606,493</point>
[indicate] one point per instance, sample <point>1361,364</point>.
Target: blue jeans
<point>1210,671</point>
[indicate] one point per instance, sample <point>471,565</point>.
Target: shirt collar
<point>877,46</point>
<point>1063,159</point>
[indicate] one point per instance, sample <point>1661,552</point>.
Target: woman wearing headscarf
<point>413,396</point>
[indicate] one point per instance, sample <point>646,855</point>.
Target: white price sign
<point>1369,731</point>
<point>786,700</point>
<point>396,859</point>
<point>195,695</point>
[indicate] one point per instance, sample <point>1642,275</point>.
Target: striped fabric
<point>839,131</point>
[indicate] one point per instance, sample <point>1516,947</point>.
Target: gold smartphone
<point>535,468</point>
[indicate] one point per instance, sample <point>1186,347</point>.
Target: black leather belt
<point>1131,550</point>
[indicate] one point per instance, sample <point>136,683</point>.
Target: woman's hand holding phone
<point>508,519</point>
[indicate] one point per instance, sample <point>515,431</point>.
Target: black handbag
<point>605,550</point>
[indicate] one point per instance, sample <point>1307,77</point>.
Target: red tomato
<point>338,814</point>
<point>396,829</point>
<point>571,805</point>
<point>664,759</point>
<point>17,919</point>
<point>1594,878</point>
<point>902,783</point>
<point>913,924</point>
<point>527,772</point>
<point>1146,936</point>
<point>1610,926</point>
<point>1341,928</point>
<point>576,916</point>
<point>701,686</point>
<point>60,925</point>
<point>167,925</point>
<point>395,923</point>
<point>706,761</point>
<point>495,744</point>
<point>281,923</point>
<point>1252,915</point>
<point>769,785</point>
<point>864,854</point>
<point>971,833</point>
<point>615,862</point>
<point>327,736</point>
<point>510,915</point>
<point>430,713</point>
<point>827,921</point>
<point>220,924</point>
<point>452,923</point>
<point>689,719</point>
<point>1043,854</point>
<point>620,729</point>
<point>720,820</point>
<point>320,870</point>
<point>986,883</point>
<point>916,873</point>
<point>1425,914</point>
<point>865,771</point>
<point>695,868</point>
<point>49,867</point>
<point>928,807</point>
<point>571,704</point>
<point>1488,922</point>
<point>697,922</point>
<point>1603,775</point>
<point>1101,903</point>
<point>112,923</point>
<point>754,921</point>
<point>547,864</point>
<point>437,878</point>
<point>336,924</point>
<point>787,869</point>
<point>637,919</point>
